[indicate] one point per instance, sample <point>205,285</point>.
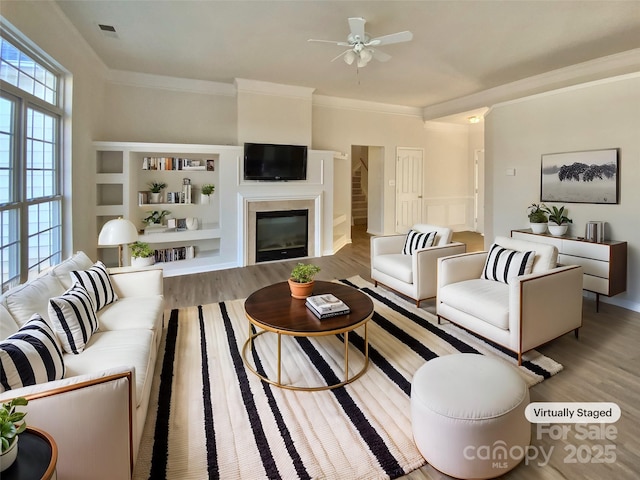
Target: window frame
<point>24,102</point>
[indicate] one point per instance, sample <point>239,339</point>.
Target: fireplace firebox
<point>281,235</point>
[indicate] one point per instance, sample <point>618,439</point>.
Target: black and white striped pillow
<point>97,282</point>
<point>417,241</point>
<point>31,355</point>
<point>74,317</point>
<point>503,264</point>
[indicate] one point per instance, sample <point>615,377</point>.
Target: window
<point>30,167</point>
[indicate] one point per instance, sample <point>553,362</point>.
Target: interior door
<point>409,179</point>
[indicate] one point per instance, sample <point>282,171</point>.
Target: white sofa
<point>96,413</point>
<point>411,275</point>
<point>520,315</point>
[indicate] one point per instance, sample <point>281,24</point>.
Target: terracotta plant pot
<point>301,290</point>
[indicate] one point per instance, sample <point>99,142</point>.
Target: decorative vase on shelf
<point>191,223</point>
<point>154,197</point>
<point>9,455</point>
<point>538,227</point>
<point>204,199</point>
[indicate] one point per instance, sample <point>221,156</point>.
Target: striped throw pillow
<point>417,241</point>
<point>74,318</point>
<point>503,264</point>
<point>31,355</point>
<point>97,282</point>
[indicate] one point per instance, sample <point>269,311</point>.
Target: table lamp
<point>118,232</point>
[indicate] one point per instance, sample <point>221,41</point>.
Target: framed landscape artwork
<point>580,177</point>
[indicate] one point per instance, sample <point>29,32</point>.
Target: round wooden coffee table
<point>272,309</point>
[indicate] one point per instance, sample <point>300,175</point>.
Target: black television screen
<point>266,161</point>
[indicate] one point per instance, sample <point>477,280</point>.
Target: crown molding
<point>146,80</point>
<point>599,69</point>
<point>276,89</point>
<point>365,106</point>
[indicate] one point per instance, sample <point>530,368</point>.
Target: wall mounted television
<point>267,161</point>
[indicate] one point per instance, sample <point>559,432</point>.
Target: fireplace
<point>281,235</point>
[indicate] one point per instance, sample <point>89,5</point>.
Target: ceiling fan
<point>361,44</point>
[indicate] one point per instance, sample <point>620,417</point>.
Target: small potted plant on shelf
<point>206,192</point>
<point>558,221</point>
<point>156,189</point>
<point>11,425</point>
<point>301,280</point>
<point>155,217</point>
<point>537,218</point>
<point>142,255</point>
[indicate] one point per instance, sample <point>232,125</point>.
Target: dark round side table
<point>37,457</point>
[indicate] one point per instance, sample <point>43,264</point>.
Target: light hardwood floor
<point>602,366</point>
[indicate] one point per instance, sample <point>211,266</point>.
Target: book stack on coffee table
<point>326,305</point>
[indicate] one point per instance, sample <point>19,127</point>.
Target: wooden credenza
<point>604,263</point>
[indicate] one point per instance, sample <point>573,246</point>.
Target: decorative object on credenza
<point>558,221</point>
<point>301,280</point>
<point>537,218</point>
<point>118,232</point>
<point>580,177</point>
<point>594,231</point>
<point>142,255</point>
<point>155,217</point>
<point>206,193</point>
<point>156,190</point>
<point>12,424</point>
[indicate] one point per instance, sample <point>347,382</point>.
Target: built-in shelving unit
<point>123,171</point>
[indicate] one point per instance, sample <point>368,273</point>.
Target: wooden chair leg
<point>438,319</point>
<point>519,359</point>
<point>418,303</point>
<point>576,332</point>
<point>375,283</point>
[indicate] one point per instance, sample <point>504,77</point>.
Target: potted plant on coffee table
<point>11,425</point>
<point>301,280</point>
<point>537,218</point>
<point>142,255</point>
<point>558,221</point>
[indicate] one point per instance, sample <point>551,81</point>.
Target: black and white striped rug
<point>210,417</point>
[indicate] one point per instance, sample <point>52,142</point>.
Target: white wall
<point>448,183</point>
<point>160,114</point>
<point>598,115</point>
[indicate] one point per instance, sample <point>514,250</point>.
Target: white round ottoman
<point>467,414</point>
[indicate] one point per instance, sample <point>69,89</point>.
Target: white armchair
<point>520,315</point>
<point>411,275</point>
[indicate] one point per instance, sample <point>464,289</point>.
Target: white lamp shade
<point>117,232</point>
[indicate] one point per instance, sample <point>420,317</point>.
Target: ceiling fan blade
<point>342,54</point>
<point>392,38</point>
<point>356,24</point>
<point>380,56</point>
<point>342,44</point>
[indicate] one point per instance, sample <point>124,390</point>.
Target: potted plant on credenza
<point>301,280</point>
<point>558,221</point>
<point>537,218</point>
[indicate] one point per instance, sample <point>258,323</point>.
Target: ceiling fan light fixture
<point>349,57</point>
<point>366,56</point>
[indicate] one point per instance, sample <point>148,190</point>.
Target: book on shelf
<point>173,254</point>
<point>172,163</point>
<point>326,305</point>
